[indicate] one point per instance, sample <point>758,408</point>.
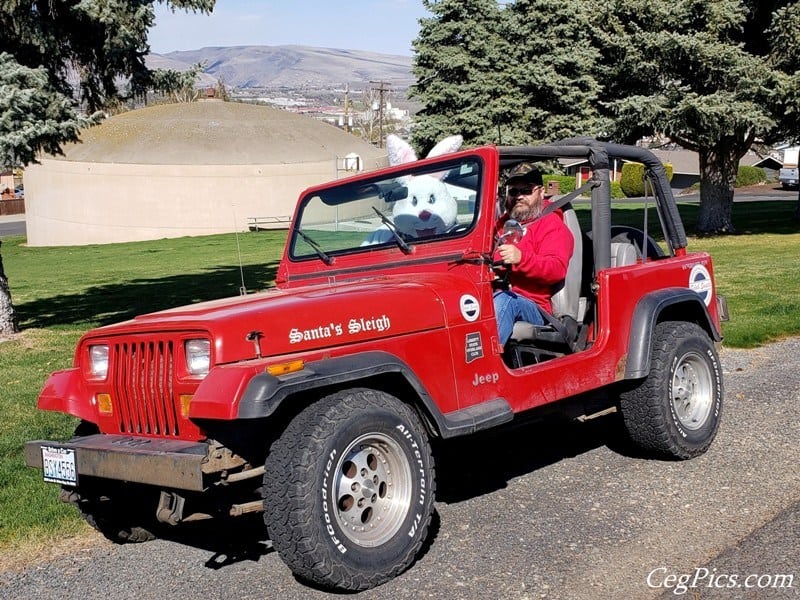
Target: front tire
<point>675,411</point>
<point>114,519</point>
<point>349,489</point>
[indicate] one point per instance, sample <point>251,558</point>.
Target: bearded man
<point>538,261</point>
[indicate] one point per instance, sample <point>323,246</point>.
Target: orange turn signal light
<point>104,404</point>
<point>287,367</point>
<point>186,401</point>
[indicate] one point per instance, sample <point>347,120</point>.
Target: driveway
<point>535,511</point>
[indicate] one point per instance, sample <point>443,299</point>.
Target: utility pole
<point>346,107</point>
<point>383,89</point>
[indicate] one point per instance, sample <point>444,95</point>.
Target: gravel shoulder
<point>533,511</point>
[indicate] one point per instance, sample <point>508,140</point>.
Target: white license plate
<point>58,465</point>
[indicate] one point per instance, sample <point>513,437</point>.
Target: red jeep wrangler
<point>315,401</point>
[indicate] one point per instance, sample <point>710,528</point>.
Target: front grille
<point>143,374</point>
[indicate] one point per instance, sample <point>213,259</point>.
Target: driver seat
<point>569,308</point>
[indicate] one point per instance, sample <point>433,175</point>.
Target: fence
<point>12,207</point>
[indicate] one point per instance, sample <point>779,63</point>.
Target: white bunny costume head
<point>428,209</point>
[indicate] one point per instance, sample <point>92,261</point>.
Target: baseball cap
<point>527,172</point>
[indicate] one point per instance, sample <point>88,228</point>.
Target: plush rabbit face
<point>429,209</point>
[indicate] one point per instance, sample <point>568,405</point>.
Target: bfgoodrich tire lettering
<point>675,411</point>
<point>349,490</point>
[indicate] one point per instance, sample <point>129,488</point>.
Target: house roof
<point>686,162</point>
<point>768,162</point>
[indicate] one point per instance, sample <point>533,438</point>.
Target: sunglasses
<point>522,191</point>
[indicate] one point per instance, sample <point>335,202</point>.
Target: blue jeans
<point>510,308</point>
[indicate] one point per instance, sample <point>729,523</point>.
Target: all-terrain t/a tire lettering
<point>675,411</point>
<point>349,490</point>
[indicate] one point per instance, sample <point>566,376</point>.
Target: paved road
<point>556,512</point>
<point>12,225</point>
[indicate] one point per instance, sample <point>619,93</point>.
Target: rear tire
<point>675,411</point>
<point>349,490</point>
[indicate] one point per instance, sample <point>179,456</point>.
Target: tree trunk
<point>717,178</point>
<point>8,316</point>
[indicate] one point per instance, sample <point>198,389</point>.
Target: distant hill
<point>294,67</point>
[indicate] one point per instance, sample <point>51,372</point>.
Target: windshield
<point>418,206</point>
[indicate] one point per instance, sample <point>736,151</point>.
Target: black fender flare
<point>646,316</point>
<point>264,392</point>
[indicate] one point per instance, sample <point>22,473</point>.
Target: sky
<point>385,26</point>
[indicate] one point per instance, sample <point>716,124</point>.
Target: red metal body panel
<point>431,307</point>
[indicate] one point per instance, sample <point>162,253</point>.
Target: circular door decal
<point>470,309</point>
<point>700,282</point>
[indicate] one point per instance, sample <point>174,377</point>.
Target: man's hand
<point>510,254</point>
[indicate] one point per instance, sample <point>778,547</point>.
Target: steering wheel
<point>458,228</point>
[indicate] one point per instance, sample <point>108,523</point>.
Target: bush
<point>750,176</point>
<point>566,183</point>
<point>632,180</point>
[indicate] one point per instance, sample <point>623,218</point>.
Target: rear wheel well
<point>668,304</point>
<point>687,311</point>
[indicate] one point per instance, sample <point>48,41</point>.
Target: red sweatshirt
<point>546,249</point>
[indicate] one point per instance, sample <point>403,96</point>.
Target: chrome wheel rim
<point>692,391</point>
<point>372,487</point>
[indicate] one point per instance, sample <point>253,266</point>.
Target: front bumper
<point>164,463</point>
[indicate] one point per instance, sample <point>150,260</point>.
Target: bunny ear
<point>399,150</point>
<point>447,145</point>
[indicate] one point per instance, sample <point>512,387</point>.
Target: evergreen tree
<point>553,65</point>
<point>460,67</point>
<point>712,75</point>
<point>514,73</point>
<point>33,115</point>
<point>60,59</point>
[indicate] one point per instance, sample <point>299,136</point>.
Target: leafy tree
<point>59,60</point>
<point>178,85</point>
<point>712,75</point>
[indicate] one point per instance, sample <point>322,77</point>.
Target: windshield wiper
<point>391,227</point>
<point>324,257</point>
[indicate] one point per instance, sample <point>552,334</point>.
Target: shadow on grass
<point>105,304</point>
<point>752,217</point>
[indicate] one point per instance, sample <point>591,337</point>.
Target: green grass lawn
<point>757,270</point>
<point>61,292</point>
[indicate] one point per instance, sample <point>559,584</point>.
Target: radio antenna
<point>242,288</point>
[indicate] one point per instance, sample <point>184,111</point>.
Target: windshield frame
<point>383,190</point>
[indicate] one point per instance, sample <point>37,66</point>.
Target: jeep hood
<point>299,319</point>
